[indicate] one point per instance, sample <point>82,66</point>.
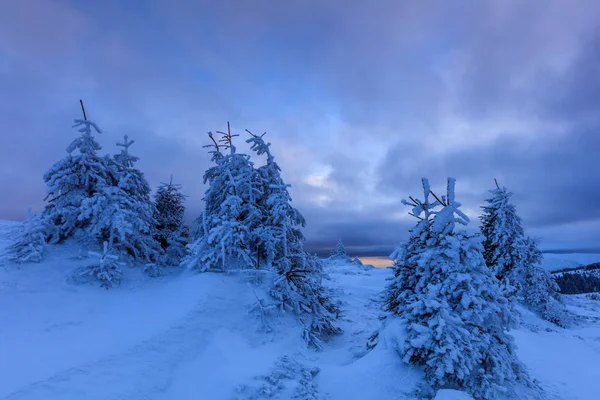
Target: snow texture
<point>189,336</point>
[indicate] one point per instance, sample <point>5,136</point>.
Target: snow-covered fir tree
<point>339,253</point>
<point>298,283</point>
<point>106,269</point>
<point>31,241</point>
<point>225,234</point>
<point>539,291</point>
<point>72,180</point>
<point>455,314</point>
<point>516,260</point>
<point>170,232</point>
<point>122,214</point>
<point>504,248</point>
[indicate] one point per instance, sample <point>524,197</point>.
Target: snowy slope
<point>190,336</point>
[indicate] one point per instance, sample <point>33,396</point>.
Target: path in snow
<point>143,372</point>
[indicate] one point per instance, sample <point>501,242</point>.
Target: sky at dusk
<point>360,99</point>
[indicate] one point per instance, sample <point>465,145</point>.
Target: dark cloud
<point>360,100</point>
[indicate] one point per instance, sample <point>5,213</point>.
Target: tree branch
<point>83,110</point>
<point>416,216</point>
<point>438,199</point>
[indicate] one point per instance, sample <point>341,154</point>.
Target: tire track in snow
<point>143,372</point>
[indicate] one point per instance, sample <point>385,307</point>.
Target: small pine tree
<point>71,181</point>
<point>516,260</point>
<point>225,235</point>
<point>540,292</point>
<point>107,270</point>
<point>456,317</point>
<point>170,232</point>
<point>298,285</point>
<point>31,243</point>
<point>339,253</point>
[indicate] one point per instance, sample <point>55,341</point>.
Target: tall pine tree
<point>455,314</point>
<point>170,232</point>
<point>298,283</point>
<point>73,180</point>
<point>516,260</point>
<point>225,232</point>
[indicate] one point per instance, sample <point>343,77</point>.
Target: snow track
<point>143,372</point>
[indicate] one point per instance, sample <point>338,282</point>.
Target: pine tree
<point>298,283</point>
<point>225,235</point>
<point>504,248</point>
<point>122,214</point>
<point>516,260</point>
<point>31,242</point>
<point>170,232</point>
<point>456,316</point>
<point>72,180</point>
<point>107,270</point>
<point>339,253</point>
<point>540,292</point>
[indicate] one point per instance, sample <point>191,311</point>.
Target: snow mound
<point>449,394</point>
<point>347,267</point>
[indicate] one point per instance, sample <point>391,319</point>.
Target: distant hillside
<point>585,279</point>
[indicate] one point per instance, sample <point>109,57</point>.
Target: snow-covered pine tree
<point>170,232</point>
<point>339,253</point>
<point>31,241</point>
<point>516,260</point>
<point>298,283</point>
<point>225,235</point>
<point>122,214</point>
<point>540,291</point>
<point>107,270</point>
<point>456,316</point>
<point>504,248</point>
<point>72,180</point>
<point>403,283</point>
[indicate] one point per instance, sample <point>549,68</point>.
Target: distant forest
<point>577,280</point>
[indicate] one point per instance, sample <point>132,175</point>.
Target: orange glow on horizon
<point>379,262</point>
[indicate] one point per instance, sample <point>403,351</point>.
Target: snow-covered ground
<point>190,336</point>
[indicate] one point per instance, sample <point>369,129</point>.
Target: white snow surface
<point>190,336</point>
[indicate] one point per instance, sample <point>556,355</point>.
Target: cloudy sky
<point>360,99</point>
